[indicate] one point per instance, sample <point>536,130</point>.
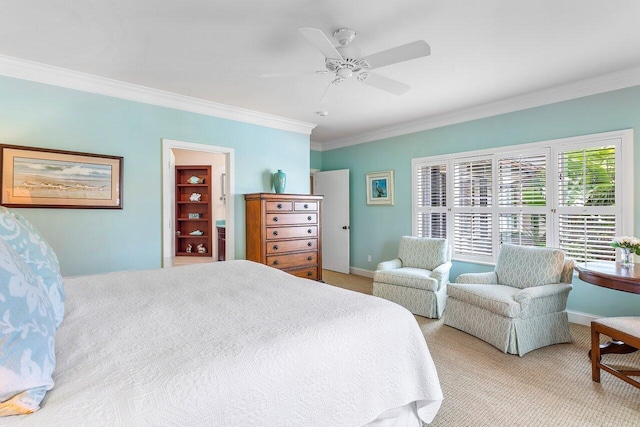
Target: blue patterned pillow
<point>25,239</point>
<point>27,336</point>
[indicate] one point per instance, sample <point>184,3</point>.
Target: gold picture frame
<point>34,177</point>
<point>380,189</point>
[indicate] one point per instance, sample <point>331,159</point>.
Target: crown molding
<point>315,145</point>
<point>56,76</point>
<point>605,83</point>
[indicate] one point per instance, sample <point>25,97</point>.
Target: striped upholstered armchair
<point>518,307</point>
<point>417,279</point>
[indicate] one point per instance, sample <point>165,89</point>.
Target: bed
<point>233,343</point>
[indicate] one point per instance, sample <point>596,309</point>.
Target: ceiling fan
<point>347,61</point>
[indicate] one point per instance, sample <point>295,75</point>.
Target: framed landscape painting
<point>43,178</point>
<point>380,188</point>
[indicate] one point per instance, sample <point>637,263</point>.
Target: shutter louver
<point>472,234</point>
<point>472,183</point>
<point>432,201</point>
<point>522,180</point>
<point>587,177</point>
<point>522,198</point>
<point>587,237</point>
<point>528,229</point>
<point>472,217</point>
<point>587,220</point>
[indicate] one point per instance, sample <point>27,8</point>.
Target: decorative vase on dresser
<point>279,181</point>
<point>283,231</point>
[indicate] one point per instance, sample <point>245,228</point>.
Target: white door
<point>334,186</point>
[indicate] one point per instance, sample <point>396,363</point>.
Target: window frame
<point>624,191</point>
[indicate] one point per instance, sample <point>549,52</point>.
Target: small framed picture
<point>380,188</point>
<point>194,215</point>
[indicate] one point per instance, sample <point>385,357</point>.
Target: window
<point>522,198</point>
<point>472,215</point>
<point>431,185</point>
<point>587,209</point>
<point>559,193</point>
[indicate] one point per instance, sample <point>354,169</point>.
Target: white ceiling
<point>482,51</point>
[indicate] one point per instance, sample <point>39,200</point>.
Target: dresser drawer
<point>307,273</point>
<point>306,206</point>
<point>291,219</point>
<point>278,246</point>
<point>291,232</point>
<point>292,260</point>
<point>279,206</point>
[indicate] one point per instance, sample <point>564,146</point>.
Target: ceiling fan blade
<point>397,54</point>
<point>321,42</point>
<point>270,75</point>
<point>384,83</point>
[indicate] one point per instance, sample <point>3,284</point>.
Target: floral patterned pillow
<point>25,239</point>
<point>27,336</point>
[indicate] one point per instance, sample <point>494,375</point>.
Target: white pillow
<point>27,241</point>
<point>27,336</point>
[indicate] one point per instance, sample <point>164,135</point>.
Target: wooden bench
<point>625,331</point>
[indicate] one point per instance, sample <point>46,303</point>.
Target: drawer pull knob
<point>275,247</point>
<point>279,205</point>
<point>309,218</point>
<point>309,231</point>
<point>275,219</point>
<point>309,273</point>
<point>309,244</point>
<point>275,233</point>
<point>275,262</point>
<point>309,258</point>
<point>306,206</point>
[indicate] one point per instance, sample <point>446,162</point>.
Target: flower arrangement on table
<point>628,246</point>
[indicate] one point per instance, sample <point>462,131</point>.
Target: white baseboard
<point>361,272</point>
<point>581,318</point>
<point>574,316</point>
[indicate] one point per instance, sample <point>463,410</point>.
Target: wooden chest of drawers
<point>283,231</point>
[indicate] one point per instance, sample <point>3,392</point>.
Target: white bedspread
<point>231,343</point>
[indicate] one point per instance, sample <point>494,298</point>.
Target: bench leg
<point>595,355</point>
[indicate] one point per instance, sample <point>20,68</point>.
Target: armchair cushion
<point>497,299</point>
<point>488,278</point>
<point>527,266</point>
<point>407,277</point>
<point>423,253</point>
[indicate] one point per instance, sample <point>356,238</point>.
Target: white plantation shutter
<point>563,193</point>
<point>522,198</point>
<point>587,212</point>
<point>473,234</point>
<point>431,209</point>
<point>587,236</point>
<point>472,183</point>
<point>527,229</point>
<point>472,208</point>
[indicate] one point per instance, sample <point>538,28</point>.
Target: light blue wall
<point>375,230</point>
<point>93,241</point>
<point>316,159</point>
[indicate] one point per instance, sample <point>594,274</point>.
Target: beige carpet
<point>550,386</point>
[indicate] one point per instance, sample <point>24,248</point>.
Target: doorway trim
<point>169,194</point>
